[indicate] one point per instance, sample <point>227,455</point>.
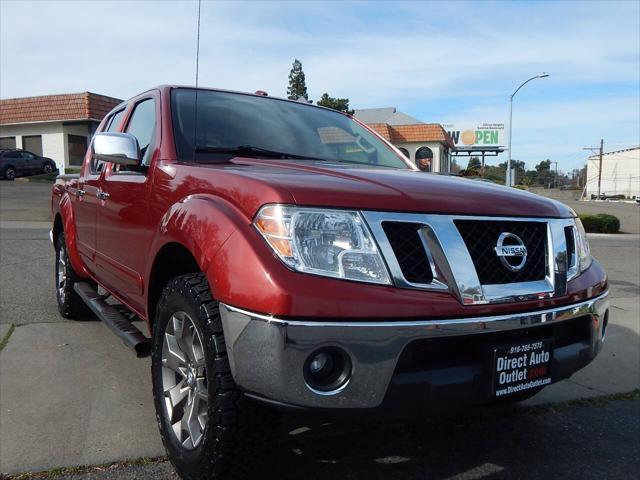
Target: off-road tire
<point>10,173</point>
<point>70,305</point>
<point>236,440</point>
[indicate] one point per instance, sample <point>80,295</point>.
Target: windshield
<point>234,124</point>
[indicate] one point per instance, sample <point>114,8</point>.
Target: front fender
<point>202,224</point>
<point>69,226</point>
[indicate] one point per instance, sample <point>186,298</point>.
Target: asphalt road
<point>591,441</point>
<point>71,394</point>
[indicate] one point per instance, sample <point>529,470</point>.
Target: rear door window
<point>142,125</point>
<point>115,121</point>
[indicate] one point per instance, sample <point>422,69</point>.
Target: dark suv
<point>21,162</point>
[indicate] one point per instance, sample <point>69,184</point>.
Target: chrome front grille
<point>481,238</point>
<point>457,254</point>
<point>409,250</point>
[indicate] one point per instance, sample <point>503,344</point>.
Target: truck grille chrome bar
<point>463,255</point>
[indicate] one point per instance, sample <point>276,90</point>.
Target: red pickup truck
<point>286,257</point>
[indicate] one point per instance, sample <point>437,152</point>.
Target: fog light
<point>327,371</point>
<point>320,363</point>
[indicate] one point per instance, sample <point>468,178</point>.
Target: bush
<point>600,223</point>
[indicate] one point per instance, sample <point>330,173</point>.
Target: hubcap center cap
<point>191,378</point>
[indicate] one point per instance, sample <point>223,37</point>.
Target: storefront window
<point>77,148</point>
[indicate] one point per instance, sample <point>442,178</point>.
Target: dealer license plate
<point>518,368</point>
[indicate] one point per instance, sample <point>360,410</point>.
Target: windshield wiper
<point>251,151</point>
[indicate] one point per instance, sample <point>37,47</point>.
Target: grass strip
<point>79,470</point>
<point>7,336</point>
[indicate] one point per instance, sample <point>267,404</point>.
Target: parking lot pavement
<point>592,441</point>
<point>72,394</point>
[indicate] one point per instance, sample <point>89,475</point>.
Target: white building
<point>428,145</point>
<point>620,173</point>
<point>55,126</point>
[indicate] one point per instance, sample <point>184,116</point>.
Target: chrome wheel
<point>62,273</point>
<point>184,380</point>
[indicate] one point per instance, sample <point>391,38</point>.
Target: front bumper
<point>267,354</point>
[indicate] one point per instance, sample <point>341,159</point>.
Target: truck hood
<point>330,184</point>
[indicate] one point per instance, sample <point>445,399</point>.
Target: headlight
<point>332,243</point>
<point>583,253</point>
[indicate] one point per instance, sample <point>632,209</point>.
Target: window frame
<point>154,141</point>
<point>96,172</point>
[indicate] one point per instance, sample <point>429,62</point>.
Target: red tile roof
<point>419,132</point>
<point>70,106</point>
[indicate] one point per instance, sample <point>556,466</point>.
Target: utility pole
<point>555,176</point>
<point>600,167</point>
<point>599,164</point>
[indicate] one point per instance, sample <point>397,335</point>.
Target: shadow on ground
<point>591,439</point>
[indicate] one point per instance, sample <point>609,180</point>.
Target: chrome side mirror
<point>118,148</point>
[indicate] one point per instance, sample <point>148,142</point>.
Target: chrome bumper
<point>267,354</point>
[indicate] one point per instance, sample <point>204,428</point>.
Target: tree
<point>543,166</point>
<point>297,86</point>
<point>544,173</point>
<point>339,104</point>
<point>474,164</point>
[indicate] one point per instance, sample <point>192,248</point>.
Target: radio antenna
<point>195,126</point>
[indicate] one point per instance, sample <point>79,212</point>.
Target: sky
<point>445,62</point>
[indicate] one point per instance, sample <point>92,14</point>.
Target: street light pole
<point>508,179</point>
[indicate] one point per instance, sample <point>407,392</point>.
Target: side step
<point>120,325</point>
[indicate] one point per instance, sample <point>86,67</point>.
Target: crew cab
<point>284,256</point>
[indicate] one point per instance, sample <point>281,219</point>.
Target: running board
<point>120,325</point>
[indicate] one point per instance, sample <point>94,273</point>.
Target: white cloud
<point>453,59</point>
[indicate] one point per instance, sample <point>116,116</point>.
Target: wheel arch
<point>67,226</point>
<point>172,260</point>
<point>58,227</point>
<point>189,235</point>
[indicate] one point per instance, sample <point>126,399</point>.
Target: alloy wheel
<point>10,174</point>
<point>184,380</point>
<point>62,273</point>
<point>48,168</point>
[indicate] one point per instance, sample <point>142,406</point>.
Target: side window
<point>142,125</point>
<point>115,121</point>
<point>112,125</point>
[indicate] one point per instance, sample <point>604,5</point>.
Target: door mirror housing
<point>118,148</point>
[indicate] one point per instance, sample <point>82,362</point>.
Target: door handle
<point>80,193</point>
<point>102,195</point>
